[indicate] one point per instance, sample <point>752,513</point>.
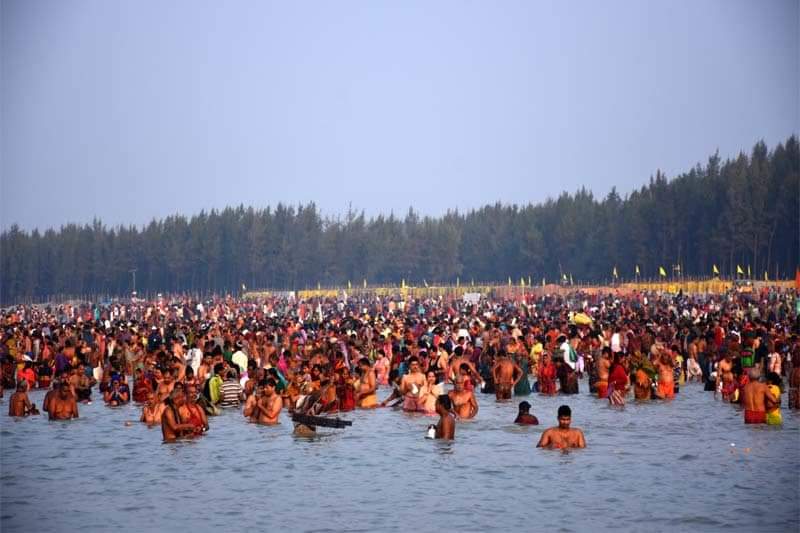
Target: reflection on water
<point>686,465</point>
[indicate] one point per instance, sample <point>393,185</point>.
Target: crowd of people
<point>184,360</point>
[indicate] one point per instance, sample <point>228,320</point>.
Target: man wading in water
<point>562,436</point>
<point>506,374</point>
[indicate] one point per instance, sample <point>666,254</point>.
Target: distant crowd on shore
<point>184,361</point>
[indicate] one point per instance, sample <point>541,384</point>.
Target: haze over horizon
<point>129,111</point>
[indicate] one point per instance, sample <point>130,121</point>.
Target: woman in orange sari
<point>547,375</point>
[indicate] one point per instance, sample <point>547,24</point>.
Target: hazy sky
<point>136,109</point>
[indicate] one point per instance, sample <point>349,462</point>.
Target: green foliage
<point>742,211</point>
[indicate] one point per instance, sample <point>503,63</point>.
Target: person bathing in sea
<point>446,427</point>
<point>562,436</point>
<point>20,404</point>
<point>525,417</point>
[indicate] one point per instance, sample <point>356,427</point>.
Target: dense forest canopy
<point>742,211</point>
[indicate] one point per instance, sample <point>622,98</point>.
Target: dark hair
<point>774,379</point>
<point>524,406</point>
<point>564,412</point>
<point>444,399</point>
<point>271,382</point>
<point>218,368</point>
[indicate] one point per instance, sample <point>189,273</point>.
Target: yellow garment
<point>774,416</point>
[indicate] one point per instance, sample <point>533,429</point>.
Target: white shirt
<point>616,343</point>
<point>565,350</point>
<point>195,358</point>
<point>239,358</point>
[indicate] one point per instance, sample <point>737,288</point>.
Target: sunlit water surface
<point>648,467</point>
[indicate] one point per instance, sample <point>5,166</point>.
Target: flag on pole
<point>403,283</point>
<point>529,282</point>
<point>543,280</point>
<point>521,282</point>
<point>458,281</point>
<point>715,270</point>
<point>365,283</point>
<point>637,270</point>
<point>425,281</point>
<point>509,281</point>
<point>472,282</point>
<point>739,270</point>
<point>349,285</point>
<point>243,287</point>
<point>570,279</point>
<point>564,277</point>
<point>766,278</point>
<point>614,272</point>
<point>662,272</point>
<point>319,286</point>
<point>749,275</point>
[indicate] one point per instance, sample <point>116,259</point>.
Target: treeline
<point>742,211</point>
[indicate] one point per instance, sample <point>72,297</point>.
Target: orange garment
<point>666,389</point>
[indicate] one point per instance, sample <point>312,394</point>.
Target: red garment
<point>195,418</point>
<point>755,417</point>
<point>141,388</point>
<point>547,378</point>
<point>468,385</point>
<point>618,377</point>
<point>28,375</point>
<point>346,395</point>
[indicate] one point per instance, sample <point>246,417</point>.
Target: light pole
<point>133,273</point>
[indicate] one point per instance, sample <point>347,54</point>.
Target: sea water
<point>685,465</point>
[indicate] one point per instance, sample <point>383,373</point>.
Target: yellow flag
<point>403,283</point>
<point>349,285</point>
<point>662,272</point>
<point>521,282</point>
<point>739,270</point>
<point>715,270</point>
<point>766,278</point>
<point>616,275</point>
<point>637,270</point>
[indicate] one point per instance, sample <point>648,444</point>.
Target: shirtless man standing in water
<point>172,427</point>
<point>268,407</point>
<point>19,404</point>
<point>63,406</point>
<point>666,377</point>
<point>562,436</point>
<point>152,410</point>
<point>603,366</point>
<point>446,428</point>
<point>755,396</point>
<point>465,405</point>
<point>726,378</point>
<point>506,374</point>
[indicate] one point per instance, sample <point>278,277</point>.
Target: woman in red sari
<point>547,375</point>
